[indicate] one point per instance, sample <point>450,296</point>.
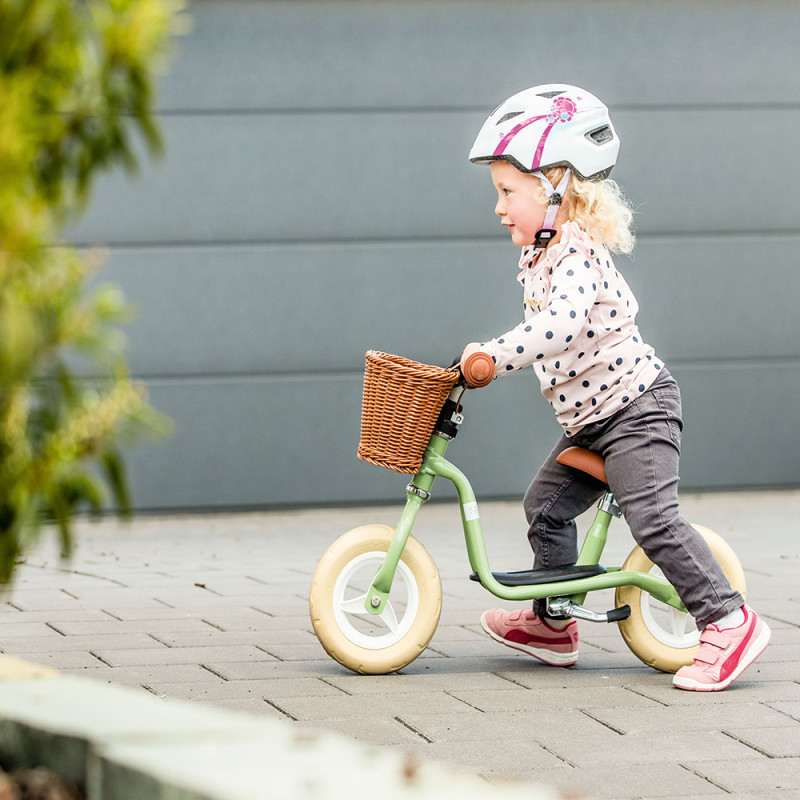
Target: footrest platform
<point>533,577</point>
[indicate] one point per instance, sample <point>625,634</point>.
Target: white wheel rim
<point>668,625</point>
<point>374,631</point>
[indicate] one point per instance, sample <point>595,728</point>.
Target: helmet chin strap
<point>554,196</point>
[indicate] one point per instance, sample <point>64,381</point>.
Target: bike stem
<point>418,491</point>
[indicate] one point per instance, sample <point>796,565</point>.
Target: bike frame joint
<point>421,493</point>
<point>609,505</point>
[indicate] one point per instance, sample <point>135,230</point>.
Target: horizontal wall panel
<point>307,177</point>
<point>278,441</point>
<point>716,297</point>
<point>299,441</point>
<point>301,309</point>
<point>317,177</point>
<point>308,308</point>
<point>740,424</point>
<point>253,55</point>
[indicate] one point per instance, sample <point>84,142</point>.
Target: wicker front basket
<point>402,399</point>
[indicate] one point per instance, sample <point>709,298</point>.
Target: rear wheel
<point>662,636</point>
<point>374,643</point>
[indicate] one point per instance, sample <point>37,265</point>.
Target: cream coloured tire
<point>659,635</point>
<point>363,642</point>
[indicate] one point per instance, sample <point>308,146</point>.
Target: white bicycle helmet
<point>548,126</point>
<point>551,125</point>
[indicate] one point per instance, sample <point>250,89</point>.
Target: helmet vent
<point>550,95</point>
<point>510,115</point>
<point>601,135</point>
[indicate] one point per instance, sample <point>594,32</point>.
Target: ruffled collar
<point>572,235</point>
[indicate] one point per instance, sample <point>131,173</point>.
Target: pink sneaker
<point>724,654</point>
<point>526,631</point>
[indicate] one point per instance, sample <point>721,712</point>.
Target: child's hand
<point>472,347</point>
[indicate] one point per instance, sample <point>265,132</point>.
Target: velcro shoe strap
<point>715,638</point>
<point>712,644</point>
<point>706,655</point>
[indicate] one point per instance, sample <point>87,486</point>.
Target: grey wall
<point>316,201</point>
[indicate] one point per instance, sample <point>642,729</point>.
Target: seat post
<point>597,535</point>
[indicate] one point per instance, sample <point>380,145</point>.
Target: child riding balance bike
<point>375,597</point>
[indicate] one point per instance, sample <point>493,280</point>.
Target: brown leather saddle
<point>584,460</point>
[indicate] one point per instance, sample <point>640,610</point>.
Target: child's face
<point>521,202</point>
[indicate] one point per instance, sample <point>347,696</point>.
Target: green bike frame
<point>418,491</point>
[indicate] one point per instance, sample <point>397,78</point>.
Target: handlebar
<point>478,369</point>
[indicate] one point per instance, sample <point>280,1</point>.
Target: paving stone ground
<point>214,608</point>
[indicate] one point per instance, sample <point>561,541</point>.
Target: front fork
<point>417,493</point>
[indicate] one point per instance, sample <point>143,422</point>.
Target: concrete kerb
<point>121,744</point>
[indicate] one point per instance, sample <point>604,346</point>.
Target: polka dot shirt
<point>579,332</point>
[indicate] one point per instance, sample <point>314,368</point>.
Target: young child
<point>550,150</point>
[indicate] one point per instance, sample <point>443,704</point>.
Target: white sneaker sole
<point>756,649</point>
<point>545,656</point>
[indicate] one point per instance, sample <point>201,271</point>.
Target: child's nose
<point>500,208</point>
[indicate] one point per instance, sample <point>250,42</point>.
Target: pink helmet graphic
<point>550,125</point>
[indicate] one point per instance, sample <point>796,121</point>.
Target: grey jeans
<point>641,447</point>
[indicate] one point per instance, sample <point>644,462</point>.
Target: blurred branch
<point>77,87</point>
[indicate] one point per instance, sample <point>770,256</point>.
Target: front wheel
<point>659,635</point>
<point>374,644</point>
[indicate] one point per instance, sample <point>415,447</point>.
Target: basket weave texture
<point>402,399</point>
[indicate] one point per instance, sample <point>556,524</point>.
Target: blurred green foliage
<point>76,89</point>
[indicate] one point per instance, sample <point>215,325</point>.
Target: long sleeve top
<point>579,332</point>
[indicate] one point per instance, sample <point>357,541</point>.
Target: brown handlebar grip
<point>478,369</point>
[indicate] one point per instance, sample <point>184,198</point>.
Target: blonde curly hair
<point>600,208</point>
